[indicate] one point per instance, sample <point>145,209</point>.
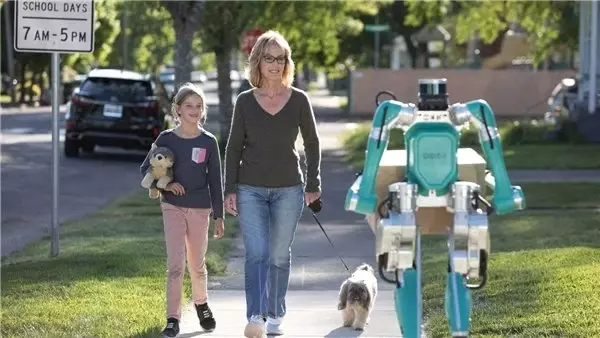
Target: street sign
<point>60,26</point>
<point>54,26</point>
<point>377,28</point>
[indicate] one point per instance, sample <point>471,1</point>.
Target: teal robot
<point>432,134</point>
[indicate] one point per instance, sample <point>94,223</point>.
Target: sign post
<point>54,26</point>
<point>376,29</point>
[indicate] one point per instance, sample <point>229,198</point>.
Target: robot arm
<point>507,198</point>
<point>361,197</point>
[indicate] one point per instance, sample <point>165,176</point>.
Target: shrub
<point>533,132</point>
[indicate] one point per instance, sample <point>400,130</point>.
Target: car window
<point>119,89</point>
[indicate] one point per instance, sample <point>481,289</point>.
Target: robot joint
<point>397,229</point>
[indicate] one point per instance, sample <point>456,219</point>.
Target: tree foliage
<point>329,24</point>
<point>106,30</point>
<point>187,17</point>
<point>549,24</point>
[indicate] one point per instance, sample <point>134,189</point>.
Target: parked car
<point>115,108</point>
<point>562,99</point>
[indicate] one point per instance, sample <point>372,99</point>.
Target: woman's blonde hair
<point>183,93</point>
<point>258,52</point>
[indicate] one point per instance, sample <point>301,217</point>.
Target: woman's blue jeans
<point>268,218</point>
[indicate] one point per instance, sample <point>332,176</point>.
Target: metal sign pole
<point>55,144</point>
<point>54,26</point>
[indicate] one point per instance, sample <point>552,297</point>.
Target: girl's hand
<point>175,188</point>
<point>230,204</point>
<point>219,228</point>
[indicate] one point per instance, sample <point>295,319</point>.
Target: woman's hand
<point>310,197</point>
<point>230,204</point>
<point>219,228</point>
<point>175,188</point>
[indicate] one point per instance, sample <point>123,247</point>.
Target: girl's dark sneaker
<point>207,321</point>
<point>172,328</point>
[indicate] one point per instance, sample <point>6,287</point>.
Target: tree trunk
<point>412,50</point>
<point>225,93</point>
<point>186,20</point>
<point>183,53</point>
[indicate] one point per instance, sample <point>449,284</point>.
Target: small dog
<point>357,297</point>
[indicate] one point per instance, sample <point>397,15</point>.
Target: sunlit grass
<point>108,281</point>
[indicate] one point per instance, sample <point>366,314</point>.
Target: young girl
<point>187,202</point>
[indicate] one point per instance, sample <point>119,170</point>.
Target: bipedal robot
<point>432,134</point>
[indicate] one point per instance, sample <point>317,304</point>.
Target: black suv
<point>115,108</point>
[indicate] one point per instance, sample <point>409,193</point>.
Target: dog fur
<point>357,297</point>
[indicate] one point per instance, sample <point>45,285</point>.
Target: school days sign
<point>62,26</point>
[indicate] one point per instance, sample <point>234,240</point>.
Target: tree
<point>549,24</point>
<point>106,30</point>
<point>187,16</point>
<point>398,11</point>
<point>329,24</point>
<point>224,23</point>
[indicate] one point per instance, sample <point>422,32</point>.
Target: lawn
<point>555,156</point>
<point>543,273</point>
<point>562,195</point>
<point>108,280</point>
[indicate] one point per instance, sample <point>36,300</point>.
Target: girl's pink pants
<point>185,228</point>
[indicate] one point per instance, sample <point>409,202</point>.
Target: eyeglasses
<point>280,59</point>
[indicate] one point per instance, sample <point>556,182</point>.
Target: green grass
<point>525,156</point>
<point>4,98</point>
<point>543,273</point>
<point>543,278</point>
<point>108,280</point>
<point>555,156</point>
<point>562,195</point>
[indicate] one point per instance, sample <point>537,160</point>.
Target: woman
<point>264,181</point>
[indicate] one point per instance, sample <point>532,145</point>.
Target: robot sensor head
<point>433,94</point>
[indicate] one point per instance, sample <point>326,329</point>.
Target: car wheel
<point>88,148</point>
<point>71,148</point>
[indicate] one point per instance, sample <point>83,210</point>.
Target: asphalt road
<point>85,184</point>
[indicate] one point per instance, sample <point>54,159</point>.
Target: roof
<point>117,74</point>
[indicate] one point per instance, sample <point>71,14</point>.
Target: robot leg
<point>468,246</point>
<point>397,242</point>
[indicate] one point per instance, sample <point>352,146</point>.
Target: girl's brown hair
<point>258,52</point>
<point>183,93</point>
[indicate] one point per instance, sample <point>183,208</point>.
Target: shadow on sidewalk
<point>344,332</point>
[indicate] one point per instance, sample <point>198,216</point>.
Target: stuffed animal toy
<point>160,170</point>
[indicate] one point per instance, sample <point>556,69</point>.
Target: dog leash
<point>315,207</point>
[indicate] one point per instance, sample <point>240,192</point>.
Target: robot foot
<point>458,305</point>
<point>408,305</point>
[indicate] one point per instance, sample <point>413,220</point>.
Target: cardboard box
<point>431,221</point>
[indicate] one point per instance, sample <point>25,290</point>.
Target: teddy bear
<point>160,170</point>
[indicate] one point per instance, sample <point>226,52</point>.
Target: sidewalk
<point>316,273</point>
